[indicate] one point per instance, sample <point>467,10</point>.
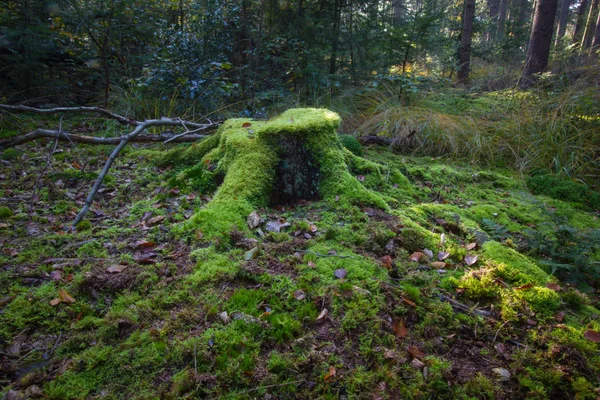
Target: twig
<point>75,110</point>
<point>323,255</point>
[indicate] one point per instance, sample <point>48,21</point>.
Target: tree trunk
<point>398,12</point>
<point>540,41</point>
<point>464,53</point>
<point>562,21</point>
<point>590,26</point>
<point>501,20</point>
<point>580,25</point>
<point>596,42</point>
<point>494,6</point>
<point>335,36</point>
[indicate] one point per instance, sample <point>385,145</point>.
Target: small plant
<point>5,212</point>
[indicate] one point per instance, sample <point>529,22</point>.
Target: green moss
<point>541,300</point>
<point>9,154</point>
<point>480,285</point>
<point>247,154</point>
<point>84,226</point>
<point>5,212</point>
<point>564,189</point>
<point>512,265</point>
<point>351,143</point>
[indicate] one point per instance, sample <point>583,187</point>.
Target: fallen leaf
<point>175,191</point>
<point>524,287</point>
<point>386,261</point>
<point>251,254</point>
<point>553,286</point>
<point>56,275</point>
<point>340,273</point>
<point>560,316</point>
<point>313,228</point>
<point>442,239</point>
<point>55,302</point>
<point>299,294</point>
<point>414,350</point>
<point>65,297</point>
<point>416,256</point>
<point>442,255</point>
<point>438,264</point>
<point>501,373</point>
<point>329,376</point>
<point>199,234</point>
<point>312,264</point>
<point>471,246</point>
<point>400,328</point>
<point>416,364</point>
<point>409,302</point>
<point>253,220</point>
<point>361,178</point>
<point>246,125</point>
<point>276,226</point>
<point>322,316</point>
<point>156,220</point>
<point>428,253</point>
<point>114,269</point>
<point>592,335</point>
<point>143,244</point>
<point>76,165</point>
<point>470,259</point>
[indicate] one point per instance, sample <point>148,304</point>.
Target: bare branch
<point>69,137</point>
<point>75,110</point>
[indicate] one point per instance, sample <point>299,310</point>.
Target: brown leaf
<point>386,261</point>
<point>438,264</point>
<point>76,165</point>
<point>246,125</point>
<point>560,316</point>
<point>299,294</point>
<point>428,253</point>
<point>416,256</point>
<point>312,264</point>
<point>313,228</point>
<point>55,302</point>
<point>409,302</point>
<point>399,328</point>
<point>143,244</point>
<point>56,275</point>
<point>65,297</point>
<point>329,376</point>
<point>553,286</point>
<point>156,220</point>
<point>361,178</point>
<point>442,255</point>
<point>592,335</point>
<point>114,269</point>
<point>322,316</point>
<point>470,259</point>
<point>414,350</point>
<point>471,246</point>
<point>524,287</point>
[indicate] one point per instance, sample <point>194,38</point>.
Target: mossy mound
<point>296,156</point>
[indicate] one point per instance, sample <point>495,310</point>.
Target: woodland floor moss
<point>156,329</point>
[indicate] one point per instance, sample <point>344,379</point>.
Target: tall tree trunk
<point>590,26</point>
<point>501,20</point>
<point>464,53</point>
<point>335,36</point>
<point>596,42</point>
<point>580,24</point>
<point>540,41</point>
<point>562,21</point>
<point>398,12</point>
<point>494,6</point>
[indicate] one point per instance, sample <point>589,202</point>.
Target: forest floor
<point>446,296</point>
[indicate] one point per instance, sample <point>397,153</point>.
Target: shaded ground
<point>333,306</point>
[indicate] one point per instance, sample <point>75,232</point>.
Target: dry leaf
<point>386,261</point>
<point>524,287</point>
<point>329,376</point>
<point>553,286</point>
<point>470,259</point>
<point>414,350</point>
<point>560,316</point>
<point>114,269</point>
<point>361,178</point>
<point>340,273</point>
<point>438,264</point>
<point>416,256</point>
<point>312,264</point>
<point>156,220</point>
<point>400,328</point>
<point>592,335</point>
<point>322,315</point>
<point>471,246</point>
<point>55,302</point>
<point>313,228</point>
<point>409,302</point>
<point>65,297</point>
<point>246,125</point>
<point>299,294</point>
<point>428,253</point>
<point>442,239</point>
<point>442,255</point>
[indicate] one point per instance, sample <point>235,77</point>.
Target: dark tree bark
<point>501,20</point>
<point>580,24</point>
<point>464,53</point>
<point>562,21</point>
<point>398,12</point>
<point>540,41</point>
<point>494,6</point>
<point>335,36</point>
<point>590,26</point>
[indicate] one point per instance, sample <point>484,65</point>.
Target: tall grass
<point>554,128</point>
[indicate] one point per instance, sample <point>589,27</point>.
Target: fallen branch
<point>69,137</point>
<point>142,126</point>
<point>74,110</point>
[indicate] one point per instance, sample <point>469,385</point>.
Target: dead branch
<point>74,110</point>
<point>69,137</point>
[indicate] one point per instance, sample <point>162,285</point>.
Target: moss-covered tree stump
<point>295,156</point>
